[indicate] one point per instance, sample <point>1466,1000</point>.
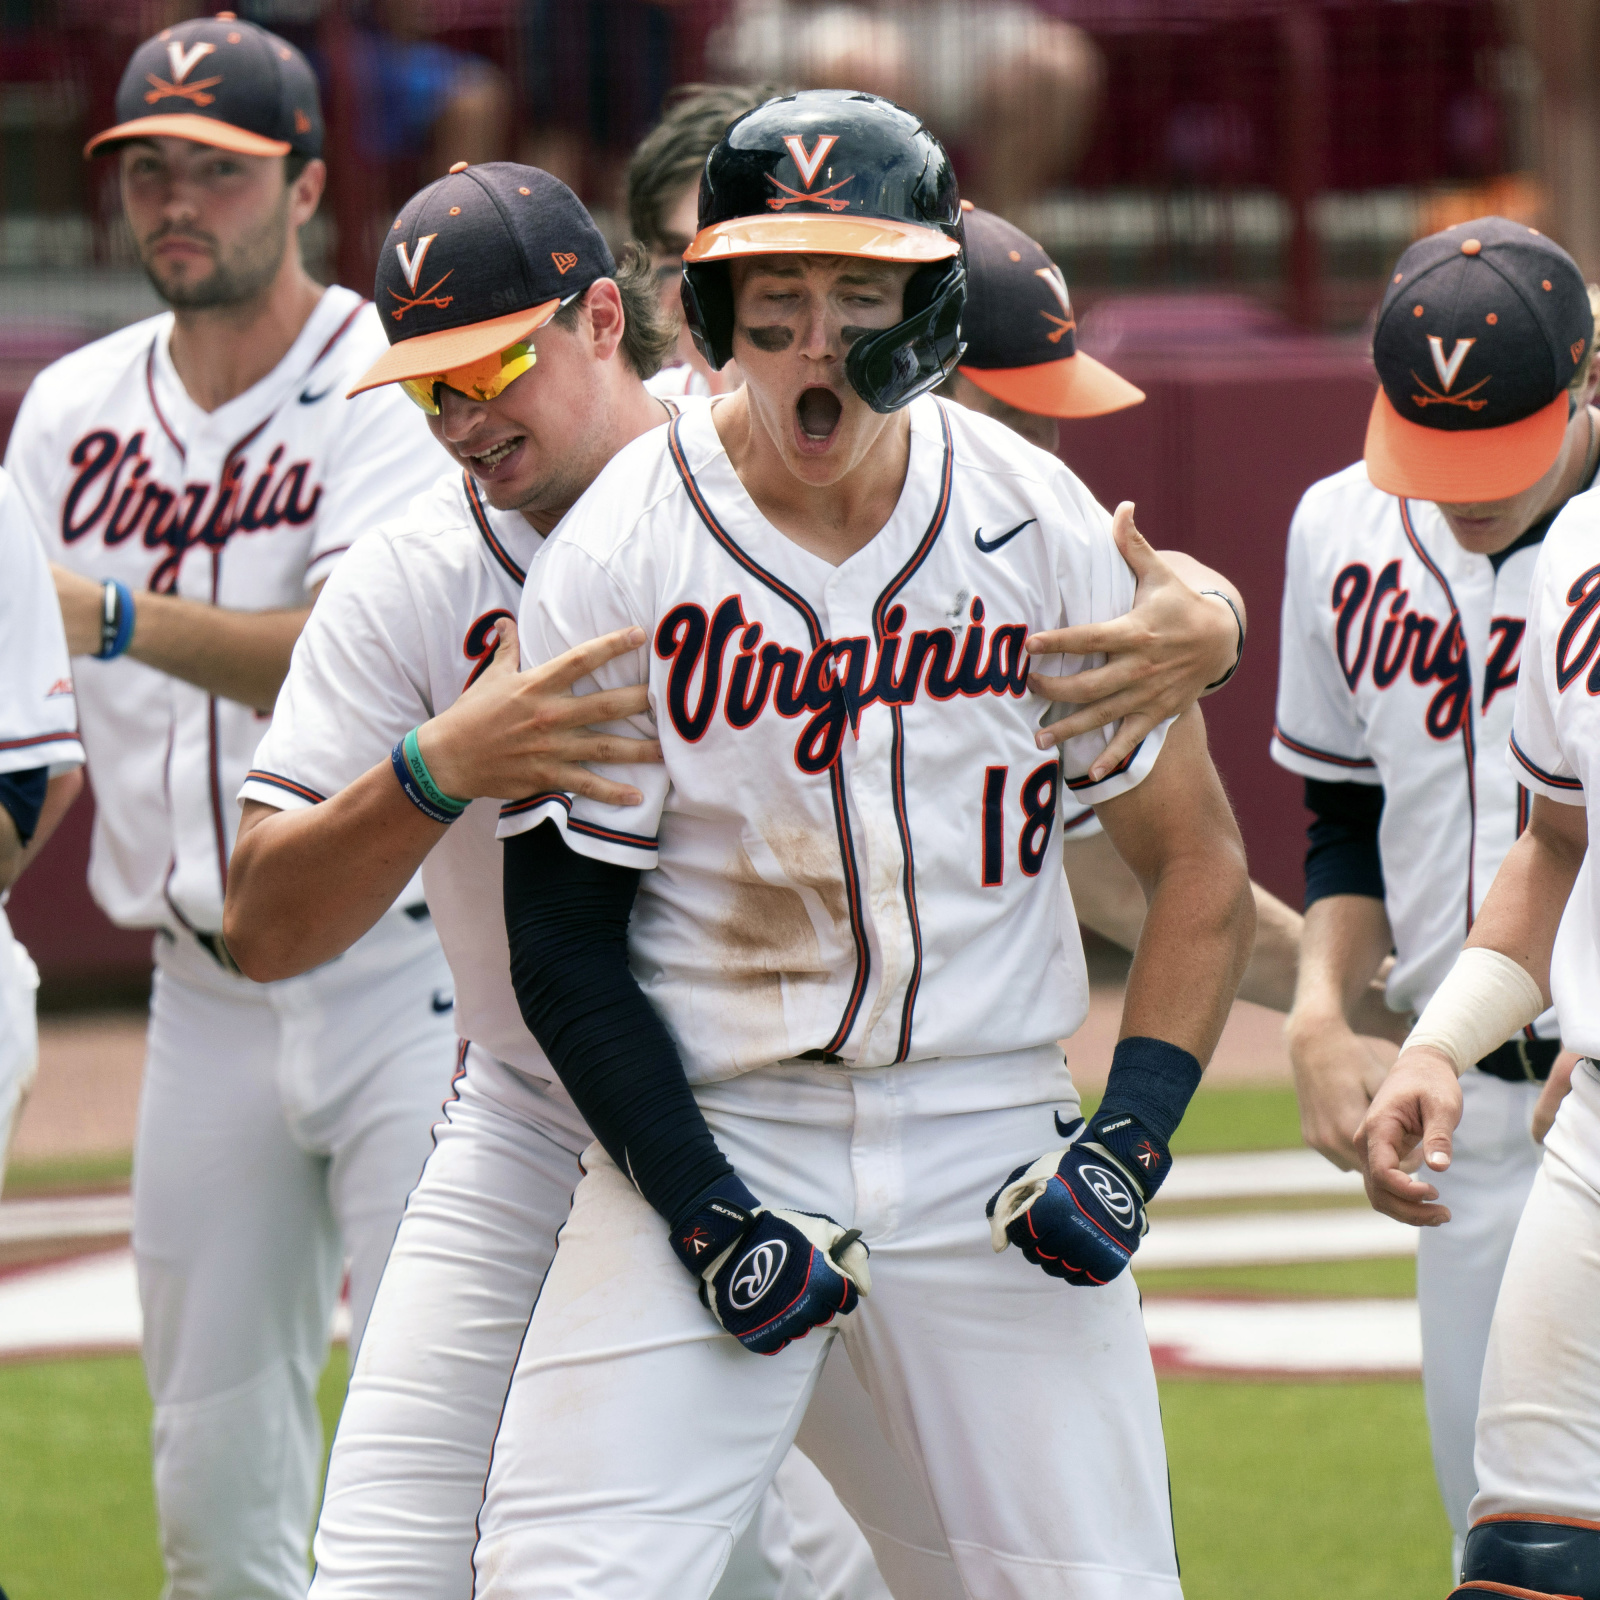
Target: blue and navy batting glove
<point>769,1277</point>
<point>1079,1212</point>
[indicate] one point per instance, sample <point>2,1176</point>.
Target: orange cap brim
<point>1462,468</point>
<point>199,130</point>
<point>452,347</point>
<point>1074,386</point>
<point>873,238</point>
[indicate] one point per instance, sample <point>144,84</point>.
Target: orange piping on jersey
<point>1468,738</point>
<point>898,775</point>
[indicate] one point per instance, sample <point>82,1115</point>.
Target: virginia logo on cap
<point>1448,367</point>
<point>808,164</point>
<point>1065,324</point>
<point>183,63</point>
<point>411,270</point>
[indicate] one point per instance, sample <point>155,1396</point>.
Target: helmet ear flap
<point>707,295</point>
<point>890,369</point>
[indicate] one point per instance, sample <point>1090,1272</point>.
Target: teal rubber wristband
<point>424,779</point>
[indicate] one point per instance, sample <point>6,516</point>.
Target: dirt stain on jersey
<point>765,930</point>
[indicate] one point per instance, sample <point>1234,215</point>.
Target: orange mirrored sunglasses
<point>477,380</point>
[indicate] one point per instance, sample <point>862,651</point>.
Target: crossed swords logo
<point>183,63</point>
<point>808,165</point>
<point>1447,370</point>
<point>411,267</point>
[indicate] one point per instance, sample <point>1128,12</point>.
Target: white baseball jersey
<point>853,835</point>
<point>38,712</point>
<point>1398,666</point>
<point>405,623</point>
<point>246,507</point>
<point>1555,740</point>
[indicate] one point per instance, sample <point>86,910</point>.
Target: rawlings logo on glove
<point>1080,1212</point>
<point>770,1277</point>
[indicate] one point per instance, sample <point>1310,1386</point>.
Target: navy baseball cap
<point>1481,330</point>
<point>222,82</point>
<point>1021,334</point>
<point>477,261</point>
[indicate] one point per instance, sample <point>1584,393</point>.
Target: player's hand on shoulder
<point>1161,655</point>
<point>769,1276</point>
<point>514,733</point>
<point>1080,1212</point>
<point>1418,1104</point>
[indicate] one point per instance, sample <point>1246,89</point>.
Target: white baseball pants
<point>638,1438</point>
<point>19,1033</point>
<point>1539,1413</point>
<point>1492,1166</point>
<point>406,1477</point>
<point>281,1127</point>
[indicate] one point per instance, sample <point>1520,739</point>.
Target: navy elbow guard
<point>1531,1556</point>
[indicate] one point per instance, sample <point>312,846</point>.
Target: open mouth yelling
<point>816,415</point>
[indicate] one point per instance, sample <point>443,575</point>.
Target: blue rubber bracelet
<point>116,627</point>
<point>413,790</point>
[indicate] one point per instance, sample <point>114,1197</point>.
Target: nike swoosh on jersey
<point>989,546</point>
<point>309,399</point>
<point>443,1002</point>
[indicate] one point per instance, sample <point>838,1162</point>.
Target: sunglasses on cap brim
<point>484,379</point>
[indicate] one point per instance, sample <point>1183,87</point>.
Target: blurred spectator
<point>1013,92</point>
<point>421,100</point>
<point>664,202</point>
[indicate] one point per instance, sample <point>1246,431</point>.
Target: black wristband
<point>1238,654</point>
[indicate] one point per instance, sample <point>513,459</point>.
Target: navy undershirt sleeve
<point>1342,840</point>
<point>22,794</point>
<point>567,925</point>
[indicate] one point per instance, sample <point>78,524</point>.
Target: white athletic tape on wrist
<point>1485,998</point>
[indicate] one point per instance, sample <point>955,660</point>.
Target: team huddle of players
<point>602,748</point>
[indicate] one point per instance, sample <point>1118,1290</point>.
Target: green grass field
<point>1281,1491</point>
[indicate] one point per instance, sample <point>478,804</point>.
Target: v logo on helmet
<point>412,265</point>
<point>184,61</point>
<point>808,166</point>
<point>1447,370</point>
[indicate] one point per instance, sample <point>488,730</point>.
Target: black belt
<point>213,946</point>
<point>1522,1060</point>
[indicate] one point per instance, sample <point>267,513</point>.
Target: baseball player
<point>194,478</point>
<point>1404,621</point>
<point>1535,1519</point>
<point>406,633</point>
<point>41,771</point>
<point>846,906</point>
<point>420,611</point>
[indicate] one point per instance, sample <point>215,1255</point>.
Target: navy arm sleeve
<point>567,925</point>
<point>1342,840</point>
<point>22,794</point>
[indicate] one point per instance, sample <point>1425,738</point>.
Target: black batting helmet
<point>836,172</point>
